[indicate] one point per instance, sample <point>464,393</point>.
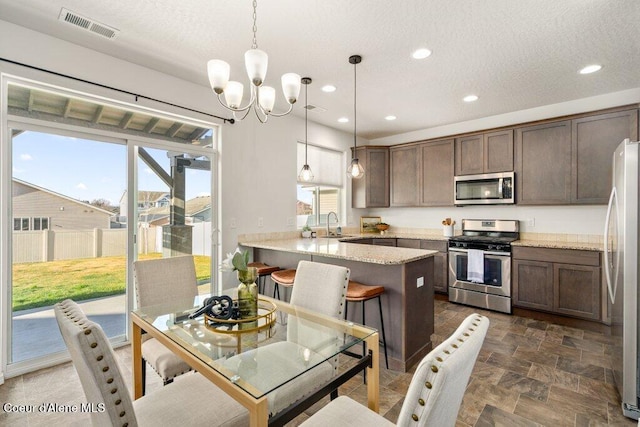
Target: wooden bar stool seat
<point>358,292</point>
<point>264,271</point>
<point>282,278</point>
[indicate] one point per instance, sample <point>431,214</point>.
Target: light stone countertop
<point>553,244</point>
<point>334,248</point>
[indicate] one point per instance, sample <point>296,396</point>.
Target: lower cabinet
<point>560,281</point>
<point>440,264</point>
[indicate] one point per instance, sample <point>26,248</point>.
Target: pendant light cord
<point>355,100</point>
<point>306,111</point>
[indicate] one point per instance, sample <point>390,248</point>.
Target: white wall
<point>259,173</point>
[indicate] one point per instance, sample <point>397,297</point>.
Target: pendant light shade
<point>355,169</point>
<point>305,174</point>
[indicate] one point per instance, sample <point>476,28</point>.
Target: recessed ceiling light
<point>591,69</point>
<point>390,118</point>
<point>421,53</point>
<point>343,120</point>
<point>328,88</point>
<point>470,98</point>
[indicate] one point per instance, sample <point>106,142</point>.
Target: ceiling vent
<point>87,24</point>
<point>315,108</point>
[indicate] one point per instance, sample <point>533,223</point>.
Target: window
<point>20,224</point>
<point>316,199</point>
<point>315,203</point>
<point>40,223</point>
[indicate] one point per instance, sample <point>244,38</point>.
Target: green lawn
<point>40,284</point>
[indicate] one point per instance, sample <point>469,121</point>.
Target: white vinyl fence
<point>53,245</point>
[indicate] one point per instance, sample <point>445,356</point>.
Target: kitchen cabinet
<point>436,173</point>
<point>408,243</point>
<point>560,281</point>
<point>484,153</point>
<point>384,242</point>
<point>372,191</point>
<point>404,171</point>
<point>440,263</point>
<point>543,164</point>
<point>593,141</point>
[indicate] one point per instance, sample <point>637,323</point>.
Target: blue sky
<point>89,170</point>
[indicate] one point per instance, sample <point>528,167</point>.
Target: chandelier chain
<point>254,44</point>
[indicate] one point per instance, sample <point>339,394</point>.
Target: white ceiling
<point>513,54</point>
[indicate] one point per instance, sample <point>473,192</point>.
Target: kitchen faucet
<point>329,233</point>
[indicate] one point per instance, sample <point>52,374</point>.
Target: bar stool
<point>282,278</point>
<point>357,292</point>
<point>264,271</point>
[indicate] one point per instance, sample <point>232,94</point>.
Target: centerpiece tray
<point>265,319</point>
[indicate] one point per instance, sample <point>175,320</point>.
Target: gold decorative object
<point>265,319</point>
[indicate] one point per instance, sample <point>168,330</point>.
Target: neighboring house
<point>303,208</point>
<point>146,200</point>
<point>37,208</point>
<point>196,210</point>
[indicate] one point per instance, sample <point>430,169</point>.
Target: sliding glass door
<point>89,186</point>
<point>174,207</point>
<point>67,238</point>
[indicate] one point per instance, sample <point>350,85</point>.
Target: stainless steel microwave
<point>485,189</point>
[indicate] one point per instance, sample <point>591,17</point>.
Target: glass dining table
<point>276,365</point>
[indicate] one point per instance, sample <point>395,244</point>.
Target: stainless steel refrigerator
<point>621,273</point>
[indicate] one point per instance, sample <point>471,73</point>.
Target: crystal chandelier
<point>305,173</point>
<point>355,169</point>
<point>262,98</point>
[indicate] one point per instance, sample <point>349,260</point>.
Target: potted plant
<point>306,231</point>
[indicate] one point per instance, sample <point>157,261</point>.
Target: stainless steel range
<point>480,263</point>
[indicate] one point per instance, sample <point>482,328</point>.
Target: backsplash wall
<point>545,219</point>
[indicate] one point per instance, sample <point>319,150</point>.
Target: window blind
<point>326,164</point>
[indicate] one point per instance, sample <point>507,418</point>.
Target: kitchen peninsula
<point>406,274</point>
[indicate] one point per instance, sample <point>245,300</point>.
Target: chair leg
<point>384,339</point>
<point>144,376</point>
<point>167,381</point>
<point>276,289</point>
<point>334,394</point>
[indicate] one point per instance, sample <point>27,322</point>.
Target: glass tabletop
<point>262,356</point>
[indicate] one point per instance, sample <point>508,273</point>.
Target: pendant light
<point>355,169</point>
<point>305,173</point>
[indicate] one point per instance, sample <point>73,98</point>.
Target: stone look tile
<point>492,416</point>
<point>525,386</point>
<point>522,363</point>
<point>598,390</point>
<point>579,368</point>
<point>587,345</point>
<point>510,363</point>
<point>535,356</point>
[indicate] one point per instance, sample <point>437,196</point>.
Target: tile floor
<point>529,373</point>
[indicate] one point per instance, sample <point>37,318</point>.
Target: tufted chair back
<point>438,386</point>
<point>162,280</point>
<point>95,362</point>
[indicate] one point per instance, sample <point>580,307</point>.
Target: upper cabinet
<point>569,162</point>
<point>372,191</point>
<point>543,164</point>
<point>593,141</point>
<point>405,170</point>
<point>484,153</point>
<point>436,173</point>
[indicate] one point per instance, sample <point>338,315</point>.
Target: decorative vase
<point>248,293</point>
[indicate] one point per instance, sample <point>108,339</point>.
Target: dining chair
<point>436,390</point>
<point>320,288</point>
<point>191,401</point>
<point>160,281</point>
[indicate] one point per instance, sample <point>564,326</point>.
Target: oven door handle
<point>502,254</point>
